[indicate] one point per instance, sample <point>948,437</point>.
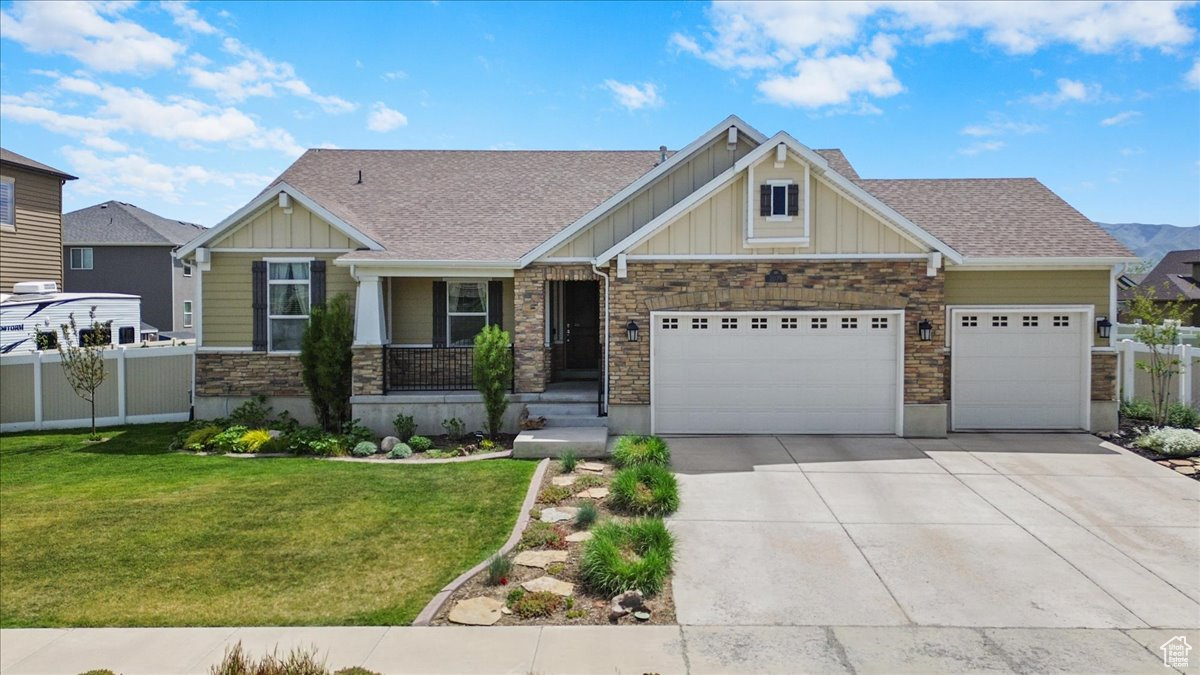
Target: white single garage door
<point>1020,368</point>
<point>776,372</point>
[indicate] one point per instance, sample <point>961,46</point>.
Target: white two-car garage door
<point>776,372</point>
<point>1020,368</point>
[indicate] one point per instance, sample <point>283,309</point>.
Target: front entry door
<point>581,323</point>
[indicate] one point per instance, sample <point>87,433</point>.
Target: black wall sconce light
<point>925,330</point>
<point>1103,327</point>
<point>631,331</point>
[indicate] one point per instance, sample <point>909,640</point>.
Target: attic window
<point>780,199</point>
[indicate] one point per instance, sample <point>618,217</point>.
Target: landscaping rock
<point>550,584</point>
<point>388,443</point>
<point>1186,470</point>
<point>629,601</point>
<point>579,536</point>
<point>594,467</point>
<point>558,514</point>
<point>595,493</point>
<point>476,612</point>
<point>539,558</point>
<point>564,480</point>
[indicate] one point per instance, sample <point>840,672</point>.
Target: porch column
<point>529,338</point>
<point>368,312</point>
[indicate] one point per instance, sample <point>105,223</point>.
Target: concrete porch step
<point>552,442</point>
<point>560,421</point>
<point>587,409</point>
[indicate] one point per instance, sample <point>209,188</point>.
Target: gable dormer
<point>781,208</point>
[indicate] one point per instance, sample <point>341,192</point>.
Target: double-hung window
<point>7,211</point>
<point>466,311</point>
<point>187,313</point>
<point>81,258</point>
<point>288,302</point>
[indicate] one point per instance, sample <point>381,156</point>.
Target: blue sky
<point>189,109</point>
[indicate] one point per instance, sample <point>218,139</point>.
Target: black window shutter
<point>764,200</point>
<point>439,314</point>
<point>258,281</point>
<point>316,282</point>
<point>495,303</point>
<point>793,200</point>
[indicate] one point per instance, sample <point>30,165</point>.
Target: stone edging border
<point>502,454</point>
<point>435,605</point>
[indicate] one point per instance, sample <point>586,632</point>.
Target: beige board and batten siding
<point>16,392</point>
<point>652,200</point>
<point>412,309</point>
<point>716,226</point>
<point>32,249</point>
<point>227,294</point>
<point>158,385</point>
<point>274,228</point>
<point>1030,287</point>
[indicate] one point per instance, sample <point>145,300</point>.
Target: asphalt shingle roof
<point>10,157</point>
<point>119,223</point>
<point>1172,277</point>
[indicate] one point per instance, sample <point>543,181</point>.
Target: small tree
<point>325,360</point>
<point>493,370</point>
<point>1158,328</point>
<point>83,360</point>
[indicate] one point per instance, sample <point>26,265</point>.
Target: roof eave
<point>1046,261</point>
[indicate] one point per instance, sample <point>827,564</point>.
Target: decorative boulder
<point>629,601</point>
<point>275,433</point>
<point>388,443</point>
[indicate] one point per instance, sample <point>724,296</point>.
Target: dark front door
<point>581,320</point>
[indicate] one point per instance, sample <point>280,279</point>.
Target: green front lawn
<point>125,533</point>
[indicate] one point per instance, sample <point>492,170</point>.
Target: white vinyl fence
<point>1188,335</point>
<point>1135,383</point>
<point>141,385</point>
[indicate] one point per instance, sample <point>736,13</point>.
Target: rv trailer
<point>31,318</point>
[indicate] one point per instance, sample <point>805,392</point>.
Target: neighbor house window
<point>466,311</point>
<point>288,302</point>
<point>187,270</point>
<point>81,258</point>
<point>187,313</point>
<point>7,215</point>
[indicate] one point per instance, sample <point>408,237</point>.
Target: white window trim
<point>784,183</point>
<point>8,220</point>
<point>187,270</point>
<point>295,317</point>
<point>450,314</point>
<point>90,254</point>
<point>188,314</point>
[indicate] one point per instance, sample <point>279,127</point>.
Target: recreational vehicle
<point>31,318</point>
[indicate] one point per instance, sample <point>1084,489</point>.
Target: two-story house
<point>30,220</point>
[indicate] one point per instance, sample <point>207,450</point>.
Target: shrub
<point>364,449</point>
<point>254,439</point>
<point>201,439</point>
<point>405,426</point>
<point>498,569</point>
<point>576,614</point>
<point>645,489</point>
<point>541,603</point>
<point>286,423</point>
<point>325,361</point>
<point>568,459</point>
<point>555,569</point>
<point>314,441</point>
<point>1183,416</point>
<point>401,451</point>
<point>493,369</point>
<point>455,428</point>
<point>354,433</point>
<point>637,450</point>
<point>253,413</point>
<point>229,440</point>
<point>1137,409</point>
<point>487,445</point>
<point>553,494</point>
<point>277,444</point>
<point>1170,442</point>
<point>543,535</point>
<point>297,662</point>
<point>586,516</point>
<point>514,595</point>
<point>587,480</point>
<point>419,444</point>
<point>625,556</point>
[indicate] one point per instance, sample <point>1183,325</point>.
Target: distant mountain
<point>1152,242</point>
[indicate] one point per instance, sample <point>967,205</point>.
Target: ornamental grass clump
<point>569,460</point>
<point>1170,442</point>
<point>200,439</point>
<point>586,516</point>
<point>254,439</point>
<point>498,569</point>
<point>646,490</point>
<point>626,556</point>
<point>638,450</point>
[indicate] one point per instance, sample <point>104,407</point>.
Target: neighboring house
<point>744,284</point>
<point>116,247</point>
<point>1175,277</point>
<point>30,221</point>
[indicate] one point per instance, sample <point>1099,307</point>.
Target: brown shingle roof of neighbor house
<point>462,205</point>
<point>9,157</point>
<point>997,217</point>
<point>1173,276</point>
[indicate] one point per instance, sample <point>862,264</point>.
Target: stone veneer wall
<point>1104,376</point>
<point>367,365</point>
<point>811,285</point>
<point>248,374</point>
<point>533,359</point>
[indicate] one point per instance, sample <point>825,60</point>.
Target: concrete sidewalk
<point>604,649</point>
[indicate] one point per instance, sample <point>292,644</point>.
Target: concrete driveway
<point>979,531</point>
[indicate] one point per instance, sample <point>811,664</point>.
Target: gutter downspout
<point>604,395</point>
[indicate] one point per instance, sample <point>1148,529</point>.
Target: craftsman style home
<point>742,284</point>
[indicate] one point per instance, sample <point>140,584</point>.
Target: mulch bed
<point>1128,431</point>
<point>595,609</point>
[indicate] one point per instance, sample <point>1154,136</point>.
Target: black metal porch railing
<point>432,369</point>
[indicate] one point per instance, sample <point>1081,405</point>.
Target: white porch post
<point>368,312</point>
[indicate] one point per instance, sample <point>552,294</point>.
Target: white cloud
<point>86,32</point>
<point>1069,91</point>
<point>257,75</point>
<point>186,17</point>
<point>981,147</point>
<point>999,125</point>
<point>1120,118</point>
<point>835,80</point>
<point>384,119</point>
<point>634,96</point>
<point>1192,78</point>
<point>395,75</point>
<point>136,175</point>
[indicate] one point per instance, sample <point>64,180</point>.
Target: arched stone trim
<point>806,296</point>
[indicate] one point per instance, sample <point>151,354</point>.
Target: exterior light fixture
<point>925,329</point>
<point>1103,327</point>
<point>631,331</point>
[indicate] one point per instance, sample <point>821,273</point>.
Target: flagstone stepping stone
<point>557,514</point>
<point>594,467</point>
<point>595,493</point>
<point>539,558</point>
<point>564,480</point>
<point>579,536</point>
<point>548,583</point>
<point>476,612</point>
